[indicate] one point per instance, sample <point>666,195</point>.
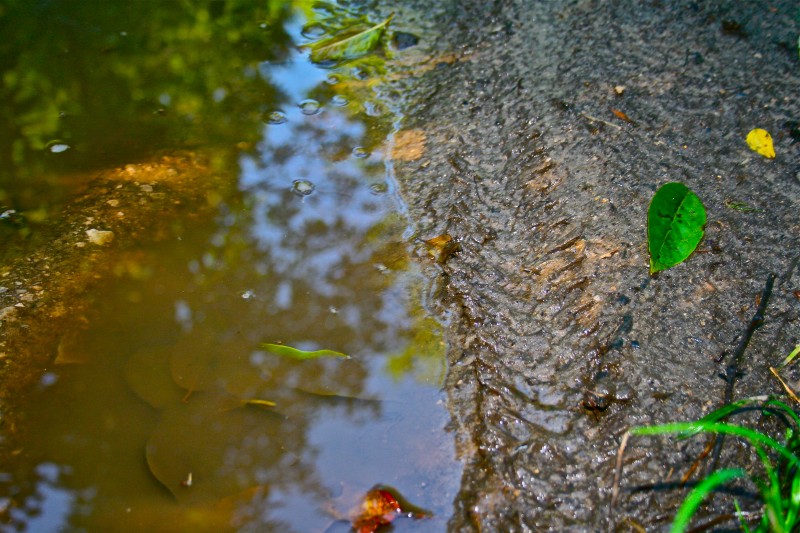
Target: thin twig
<point>607,123</point>
<point>732,371</point>
<point>617,476</point>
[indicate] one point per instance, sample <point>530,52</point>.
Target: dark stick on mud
<point>732,371</point>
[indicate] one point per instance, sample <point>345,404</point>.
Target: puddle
<point>174,406</point>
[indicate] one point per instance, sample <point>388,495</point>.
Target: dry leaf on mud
<point>441,247</point>
<point>409,145</point>
<point>622,116</point>
<point>760,141</point>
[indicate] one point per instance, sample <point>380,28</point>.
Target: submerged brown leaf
<point>147,374</point>
<point>196,446</point>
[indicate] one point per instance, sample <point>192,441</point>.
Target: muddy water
<point>170,404</point>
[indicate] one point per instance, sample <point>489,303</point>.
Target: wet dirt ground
<point>539,147</point>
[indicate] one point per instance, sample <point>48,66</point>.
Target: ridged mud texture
<point>559,338</point>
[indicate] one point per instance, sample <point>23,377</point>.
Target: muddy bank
<point>543,144</point>
<point>94,241</point>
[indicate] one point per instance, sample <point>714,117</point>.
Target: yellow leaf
<point>761,141</point>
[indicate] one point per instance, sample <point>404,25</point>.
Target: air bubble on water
<point>332,79</point>
<point>360,73</point>
<point>310,107</point>
<point>360,152</point>
<point>248,294</point>
<point>379,188</point>
<point>302,187</point>
<point>339,100</point>
<point>313,30</point>
<point>373,109</point>
<point>48,378</point>
<point>57,147</point>
<point>275,117</point>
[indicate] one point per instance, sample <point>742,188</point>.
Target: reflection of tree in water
<point>116,81</point>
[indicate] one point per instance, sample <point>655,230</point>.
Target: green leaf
<point>675,223</point>
<point>294,353</point>
<point>351,43</point>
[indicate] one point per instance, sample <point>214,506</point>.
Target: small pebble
<point>99,237</point>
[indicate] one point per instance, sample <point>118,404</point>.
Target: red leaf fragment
<point>378,509</point>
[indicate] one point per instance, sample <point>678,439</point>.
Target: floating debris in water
<point>247,295</point>
<point>276,117</point>
<point>313,31</point>
<point>310,107</point>
<point>379,188</point>
<point>302,187</point>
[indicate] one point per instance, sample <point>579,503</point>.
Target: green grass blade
<point>740,516</point>
<point>731,408</point>
<point>793,512</point>
<point>771,492</point>
<point>718,427</point>
<point>699,493</point>
<point>792,355</point>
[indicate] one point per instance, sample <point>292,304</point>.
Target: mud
<point>559,338</point>
<point>92,242</point>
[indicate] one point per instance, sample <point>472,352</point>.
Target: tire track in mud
<point>559,339</point>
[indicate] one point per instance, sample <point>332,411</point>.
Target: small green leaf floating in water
<point>294,353</point>
<point>351,43</point>
<point>675,223</point>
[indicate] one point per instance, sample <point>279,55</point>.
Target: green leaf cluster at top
<point>675,222</point>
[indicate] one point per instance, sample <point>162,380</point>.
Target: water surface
<point>157,414</point>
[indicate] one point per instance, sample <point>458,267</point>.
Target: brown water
<point>156,416</point>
